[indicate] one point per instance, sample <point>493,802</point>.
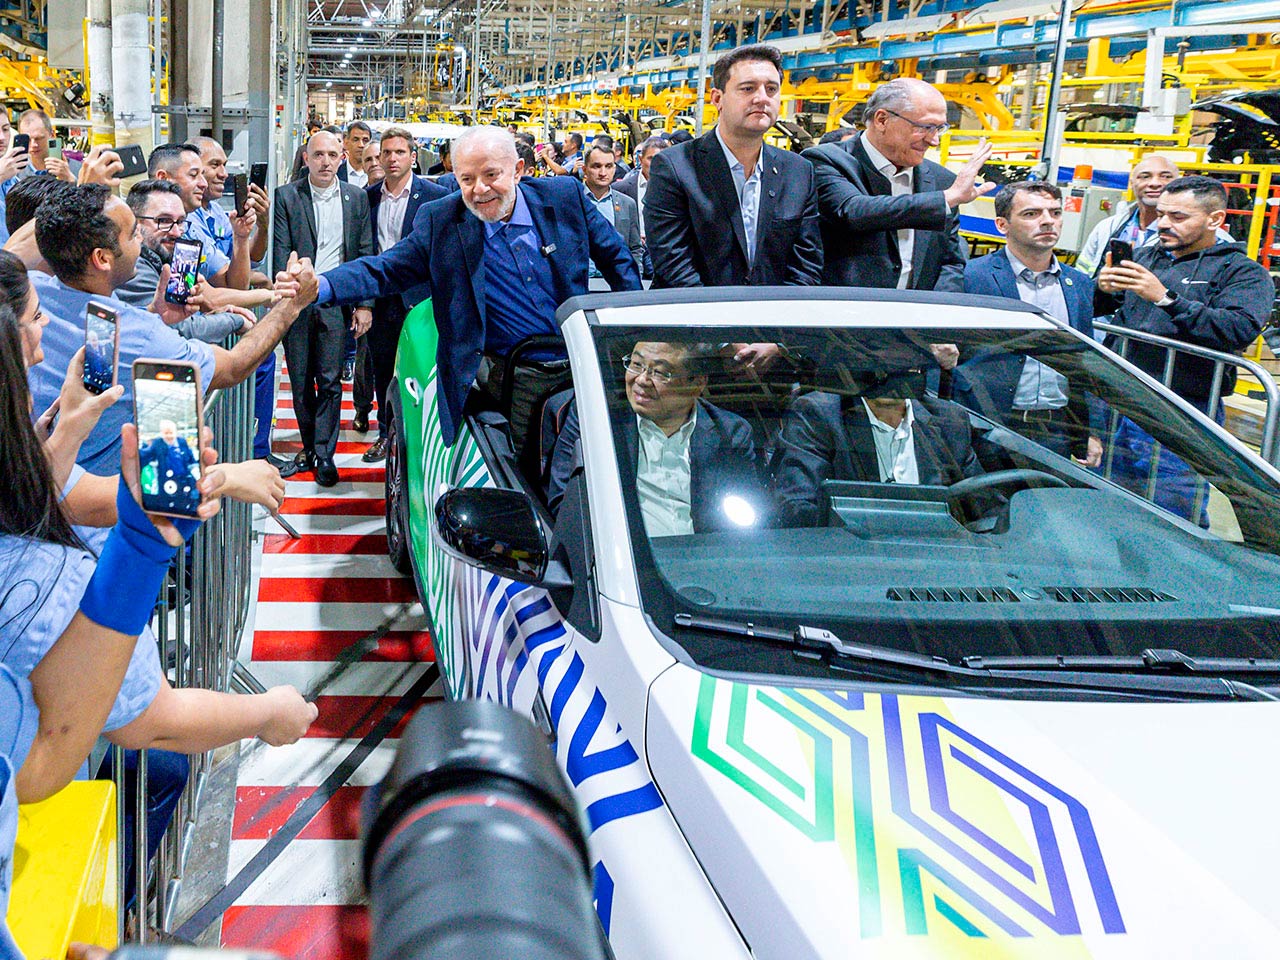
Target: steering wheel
<point>1003,478</point>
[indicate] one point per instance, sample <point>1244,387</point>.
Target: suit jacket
<point>422,191</point>
<point>294,216</point>
<point>988,381</point>
<point>860,219</point>
<point>445,251</point>
<point>449,182</point>
<point>626,220</point>
<point>827,436</point>
<point>693,220</point>
<point>722,460</point>
<point>628,186</point>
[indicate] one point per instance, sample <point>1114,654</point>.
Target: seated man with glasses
<point>157,206</point>
<point>695,464</point>
<point>890,217</point>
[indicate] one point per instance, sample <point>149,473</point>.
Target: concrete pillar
<point>101,104</point>
<point>131,72</point>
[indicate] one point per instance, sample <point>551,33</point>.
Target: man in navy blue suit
<point>1009,387</point>
<point>393,204</point>
<point>498,257</point>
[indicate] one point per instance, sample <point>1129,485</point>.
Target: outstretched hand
<point>966,187</point>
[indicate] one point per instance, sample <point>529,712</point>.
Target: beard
<point>493,212</point>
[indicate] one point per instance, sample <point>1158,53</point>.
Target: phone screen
<point>183,270</point>
<point>100,345</point>
<point>166,399</point>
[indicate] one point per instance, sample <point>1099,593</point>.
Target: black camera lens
<point>474,846</point>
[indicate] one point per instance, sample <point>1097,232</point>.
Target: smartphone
<point>55,148</point>
<point>258,174</point>
<point>168,408</point>
<point>1120,250</point>
<point>135,162</point>
<point>240,188</point>
<point>101,346</point>
<point>184,270</point>
<point>22,141</point>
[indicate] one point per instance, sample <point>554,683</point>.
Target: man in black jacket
<point>727,209</point>
<point>1188,287</point>
<point>890,217</point>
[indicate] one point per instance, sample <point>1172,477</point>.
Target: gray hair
<point>653,143</point>
<point>894,96</point>
<point>486,138</point>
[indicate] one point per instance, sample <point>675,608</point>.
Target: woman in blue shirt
<point>50,719</point>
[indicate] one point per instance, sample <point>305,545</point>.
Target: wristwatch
<point>1168,300</point>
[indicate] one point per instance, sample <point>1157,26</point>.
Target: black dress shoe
<point>326,472</point>
<point>360,422</point>
<point>303,462</point>
<point>348,370</point>
<point>278,462</point>
<point>376,452</point>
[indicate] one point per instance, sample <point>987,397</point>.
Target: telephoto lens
<point>474,847</point>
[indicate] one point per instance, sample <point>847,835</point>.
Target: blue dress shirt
<point>520,298</point>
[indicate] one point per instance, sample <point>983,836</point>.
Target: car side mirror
<point>499,532</point>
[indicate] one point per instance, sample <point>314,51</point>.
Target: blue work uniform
<point>204,225</point>
<point>142,334</point>
<point>18,722</point>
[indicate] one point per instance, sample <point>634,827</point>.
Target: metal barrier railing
<point>1220,360</point>
<point>199,621</point>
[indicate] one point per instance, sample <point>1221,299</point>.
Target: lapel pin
<point>1067,281</point>
<point>775,170</point>
<point>549,249</point>
<point>773,193</point>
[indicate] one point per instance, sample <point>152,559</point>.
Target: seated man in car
<point>695,463</point>
<point>883,434</point>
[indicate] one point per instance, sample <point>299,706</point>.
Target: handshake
<point>297,282</point>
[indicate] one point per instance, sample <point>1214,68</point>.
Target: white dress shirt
<point>901,183</point>
<point>391,211</point>
<point>662,478</point>
<point>748,194</point>
<point>895,448</point>
<point>1040,387</point>
<point>642,185</point>
<point>328,209</point>
<point>357,178</point>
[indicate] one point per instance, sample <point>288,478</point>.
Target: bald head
<point>323,157</point>
<point>901,118</point>
<point>1149,178</point>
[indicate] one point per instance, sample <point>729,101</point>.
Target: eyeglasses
<point>165,224</point>
<point>638,369</point>
<point>930,128</point>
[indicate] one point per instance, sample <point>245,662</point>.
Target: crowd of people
<point>360,236</point>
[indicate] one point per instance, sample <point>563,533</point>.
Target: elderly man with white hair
<point>499,257</point>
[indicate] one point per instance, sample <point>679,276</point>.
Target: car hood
<point>840,823</point>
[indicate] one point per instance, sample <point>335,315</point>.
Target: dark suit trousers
<point>381,340</point>
<point>314,348</point>
<point>362,385</point>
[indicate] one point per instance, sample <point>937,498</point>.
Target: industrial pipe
<point>704,50</point>
<point>101,89</point>
<point>215,74</point>
<point>131,72</point>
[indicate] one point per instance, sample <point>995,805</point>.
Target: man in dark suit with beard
<point>727,209</point>
<point>890,218</point>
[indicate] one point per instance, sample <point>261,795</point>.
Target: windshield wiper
<point>820,643</point>
<point>1152,659</point>
<point>1153,672</point>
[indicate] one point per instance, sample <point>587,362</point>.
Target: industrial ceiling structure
<point>384,49</point>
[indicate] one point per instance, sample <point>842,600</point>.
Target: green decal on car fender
<point>431,466</point>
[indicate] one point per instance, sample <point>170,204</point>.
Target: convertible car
<point>847,655</point>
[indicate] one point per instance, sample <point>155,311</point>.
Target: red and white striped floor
<point>336,620</point>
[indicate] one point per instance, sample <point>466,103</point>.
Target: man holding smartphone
<point>12,162</point>
<point>38,127</point>
<point>211,219</point>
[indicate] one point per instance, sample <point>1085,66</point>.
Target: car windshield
<point>1037,499</point>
